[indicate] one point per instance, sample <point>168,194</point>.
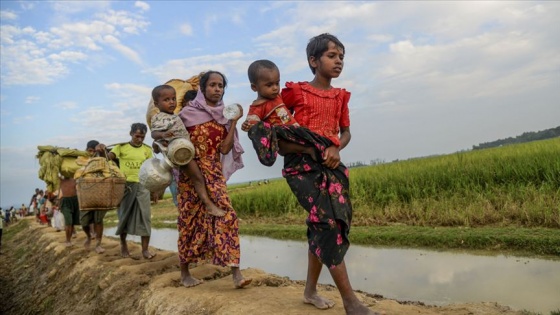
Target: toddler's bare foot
<point>318,301</point>
<point>87,243</point>
<point>215,211</point>
<point>190,281</point>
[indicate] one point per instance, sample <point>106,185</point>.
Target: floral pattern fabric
<point>203,237</point>
<point>321,191</point>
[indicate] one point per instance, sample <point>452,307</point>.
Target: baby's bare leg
<point>199,184</point>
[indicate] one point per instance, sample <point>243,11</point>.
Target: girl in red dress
<point>318,178</point>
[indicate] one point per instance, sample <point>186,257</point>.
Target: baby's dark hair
<point>253,70</point>
<point>206,76</point>
<point>157,90</point>
<point>138,127</point>
<point>319,44</point>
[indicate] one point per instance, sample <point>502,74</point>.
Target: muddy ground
<point>40,275</point>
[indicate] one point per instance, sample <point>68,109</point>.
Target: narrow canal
<point>435,278</point>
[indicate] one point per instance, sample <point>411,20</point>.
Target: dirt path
<point>39,275</point>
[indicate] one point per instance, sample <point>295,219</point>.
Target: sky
<point>426,77</point>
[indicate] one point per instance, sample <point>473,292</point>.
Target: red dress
<point>273,112</point>
<point>203,237</point>
<point>321,111</point>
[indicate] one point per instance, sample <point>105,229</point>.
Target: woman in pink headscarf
<point>204,237</point>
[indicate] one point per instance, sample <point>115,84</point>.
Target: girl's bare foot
<point>215,211</point>
<point>99,249</point>
<point>359,309</point>
<point>148,255</point>
<point>318,301</point>
<point>190,281</point>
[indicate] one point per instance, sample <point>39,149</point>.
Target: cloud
<point>22,119</point>
<point>42,57</point>
<point>128,52</point>
<point>32,99</point>
<point>144,6</point>
<point>234,62</point>
<point>66,105</point>
<point>186,29</point>
<point>8,15</point>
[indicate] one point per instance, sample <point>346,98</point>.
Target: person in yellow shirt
<point>134,212</point>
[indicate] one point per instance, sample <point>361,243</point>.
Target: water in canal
<point>432,277</point>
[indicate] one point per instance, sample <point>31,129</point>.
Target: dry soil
<point>40,275</point>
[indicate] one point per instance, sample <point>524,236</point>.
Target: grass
<point>504,199</point>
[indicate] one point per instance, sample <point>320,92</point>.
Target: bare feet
<point>124,251</point>
<point>148,255</point>
<point>190,281</point>
<point>68,244</point>
<point>239,284</point>
<point>215,211</point>
<point>99,249</point>
<point>87,243</point>
<point>359,309</point>
<point>318,301</point>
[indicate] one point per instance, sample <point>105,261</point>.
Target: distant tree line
<point>525,137</point>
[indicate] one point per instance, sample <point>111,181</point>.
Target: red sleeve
<point>345,116</point>
<point>255,110</point>
<point>292,96</point>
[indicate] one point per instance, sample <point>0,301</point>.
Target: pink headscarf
<point>198,112</point>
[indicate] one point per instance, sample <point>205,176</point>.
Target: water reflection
<point>407,274</point>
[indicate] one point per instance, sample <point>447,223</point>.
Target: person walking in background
<point>134,212</point>
<point>92,221</point>
<point>1,227</point>
<point>68,205</point>
<point>218,155</point>
<point>33,202</point>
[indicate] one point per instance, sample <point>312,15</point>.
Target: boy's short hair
<point>319,44</point>
<point>157,90</point>
<point>253,70</point>
<point>92,144</point>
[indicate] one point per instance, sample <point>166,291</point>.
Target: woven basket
<point>100,193</point>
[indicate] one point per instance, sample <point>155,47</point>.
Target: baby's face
<point>268,84</point>
<point>166,101</point>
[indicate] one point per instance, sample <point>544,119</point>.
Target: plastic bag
<point>58,220</point>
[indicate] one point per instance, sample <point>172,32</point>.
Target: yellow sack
<point>68,166</point>
<point>181,87</point>
<point>99,167</point>
<point>55,160</point>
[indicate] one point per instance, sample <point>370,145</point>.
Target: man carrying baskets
<point>95,218</point>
